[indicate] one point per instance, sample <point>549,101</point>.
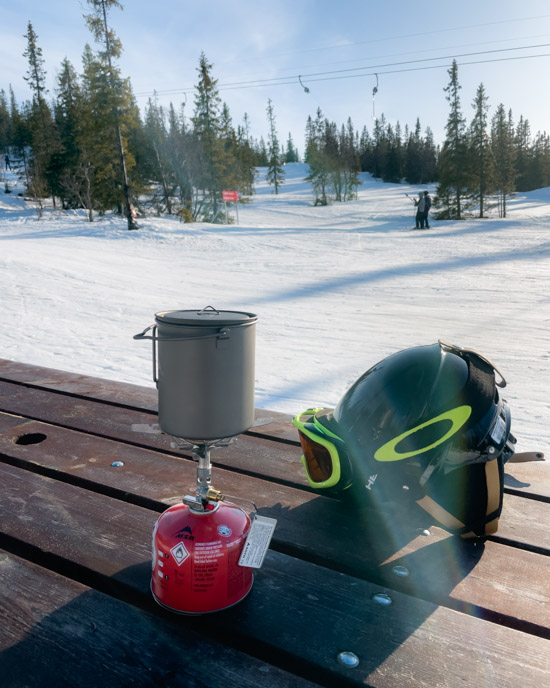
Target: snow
<point>335,289</point>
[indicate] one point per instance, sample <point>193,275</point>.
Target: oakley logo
<point>456,417</point>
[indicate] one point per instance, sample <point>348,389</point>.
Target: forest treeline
<point>89,146</point>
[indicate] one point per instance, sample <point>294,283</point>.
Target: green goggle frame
<point>321,457</point>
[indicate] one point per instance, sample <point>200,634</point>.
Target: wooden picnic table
<point>75,562</point>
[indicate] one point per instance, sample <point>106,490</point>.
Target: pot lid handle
<point>206,308</point>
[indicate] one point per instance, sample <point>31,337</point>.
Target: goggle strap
<point>463,352</point>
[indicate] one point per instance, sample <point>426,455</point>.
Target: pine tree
<point>453,175</point>
<point>275,172</point>
<point>97,23</point>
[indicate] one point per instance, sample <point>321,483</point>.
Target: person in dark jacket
<point>427,205</point>
<point>420,203</point>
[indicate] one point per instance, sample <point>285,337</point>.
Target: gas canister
<point>195,558</point>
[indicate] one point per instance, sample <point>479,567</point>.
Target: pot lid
<point>209,317</point>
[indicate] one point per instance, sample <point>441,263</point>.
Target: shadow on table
<point>342,580</point>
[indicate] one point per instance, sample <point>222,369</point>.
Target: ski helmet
<point>429,424</point>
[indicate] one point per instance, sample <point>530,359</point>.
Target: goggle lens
<point>317,458</point>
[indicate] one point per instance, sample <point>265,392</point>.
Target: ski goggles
<point>323,450</point>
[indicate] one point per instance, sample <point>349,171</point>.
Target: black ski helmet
<point>428,423</point>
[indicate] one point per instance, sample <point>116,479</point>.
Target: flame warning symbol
<point>179,553</point>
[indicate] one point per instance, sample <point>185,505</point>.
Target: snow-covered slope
<point>335,288</point>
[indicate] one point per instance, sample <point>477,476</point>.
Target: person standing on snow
<point>7,161</point>
<point>427,206</point>
<point>420,203</point>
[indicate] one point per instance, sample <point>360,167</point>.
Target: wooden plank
<point>297,614</point>
<point>267,423</point>
<point>80,385</point>
<point>255,455</point>
<point>58,632</point>
<point>532,478</point>
<point>8,421</point>
<point>270,424</point>
<point>167,478</point>
<point>490,580</point>
<point>525,522</point>
<point>251,454</point>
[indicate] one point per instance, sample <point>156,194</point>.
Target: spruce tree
<point>291,154</point>
<point>366,157</point>
<point>275,172</point>
<point>453,174</point>
<point>261,153</point>
<point>157,163</point>
<point>502,145</point>
<point>393,170</point>
<point>380,148</point>
<point>20,133</point>
<point>207,131</point>
<point>5,123</point>
<point>481,160</point>
<point>539,168</point>
<point>413,156</point>
<point>523,154</point>
<point>349,159</point>
<point>97,23</point>
<point>229,170</point>
<point>429,158</point>
<point>183,155</point>
<point>40,123</point>
<point>246,156</point>
<point>317,158</point>
<point>99,130</point>
<point>74,178</point>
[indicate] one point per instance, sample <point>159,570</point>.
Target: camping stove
<point>203,365</point>
<point>197,545</point>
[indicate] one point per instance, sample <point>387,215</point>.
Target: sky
<point>338,51</point>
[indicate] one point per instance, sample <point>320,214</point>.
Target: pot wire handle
<point>153,337</point>
<point>209,309</point>
<point>141,335</point>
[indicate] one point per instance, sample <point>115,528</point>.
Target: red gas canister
<point>195,558</point>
